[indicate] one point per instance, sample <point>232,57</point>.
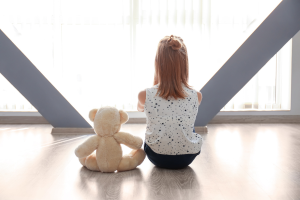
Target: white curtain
<point>100,53</point>
<point>270,88</point>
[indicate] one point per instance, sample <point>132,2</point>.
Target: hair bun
<point>174,43</point>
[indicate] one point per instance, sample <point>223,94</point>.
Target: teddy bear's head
<point>108,120</point>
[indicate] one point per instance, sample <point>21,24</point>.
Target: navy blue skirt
<point>169,161</point>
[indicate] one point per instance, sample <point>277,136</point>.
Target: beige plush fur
<point>106,142</point>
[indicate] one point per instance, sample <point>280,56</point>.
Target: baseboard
<point>136,121</point>
<point>72,131</point>
<point>42,120</point>
<point>219,119</point>
<point>226,119</point>
<point>201,129</point>
<point>23,120</point>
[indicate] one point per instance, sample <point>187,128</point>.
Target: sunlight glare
<point>229,148</point>
<point>266,152</point>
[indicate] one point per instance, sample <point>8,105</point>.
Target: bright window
<point>100,53</point>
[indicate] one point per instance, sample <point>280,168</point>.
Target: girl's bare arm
<point>141,100</point>
<point>199,97</point>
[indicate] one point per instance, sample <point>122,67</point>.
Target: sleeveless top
<point>170,123</point>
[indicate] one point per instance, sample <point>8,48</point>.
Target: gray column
<point>275,31</point>
<point>32,84</point>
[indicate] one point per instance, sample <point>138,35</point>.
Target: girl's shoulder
<point>195,92</point>
<point>148,91</point>
<point>144,92</point>
<point>190,90</point>
<point>151,90</point>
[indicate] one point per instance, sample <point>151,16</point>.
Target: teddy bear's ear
<point>123,116</point>
<point>92,114</point>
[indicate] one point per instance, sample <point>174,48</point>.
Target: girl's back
<point>170,123</point>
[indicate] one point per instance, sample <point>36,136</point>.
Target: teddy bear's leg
<point>82,161</point>
<point>132,160</point>
<point>91,162</point>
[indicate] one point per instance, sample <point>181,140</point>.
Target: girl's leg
<point>169,161</point>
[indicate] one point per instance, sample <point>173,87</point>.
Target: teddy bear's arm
<point>87,147</point>
<point>129,140</point>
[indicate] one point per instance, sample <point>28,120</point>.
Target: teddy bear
<point>108,156</point>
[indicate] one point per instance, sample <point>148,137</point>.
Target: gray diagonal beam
<point>275,31</point>
<point>31,83</point>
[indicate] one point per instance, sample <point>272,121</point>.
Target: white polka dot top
<point>170,123</point>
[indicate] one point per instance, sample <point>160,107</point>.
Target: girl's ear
<point>92,114</point>
<point>123,116</point>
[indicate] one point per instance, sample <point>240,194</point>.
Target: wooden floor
<point>238,161</point>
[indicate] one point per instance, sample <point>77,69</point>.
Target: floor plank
<point>237,161</point>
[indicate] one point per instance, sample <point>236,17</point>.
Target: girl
<point>171,107</point>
